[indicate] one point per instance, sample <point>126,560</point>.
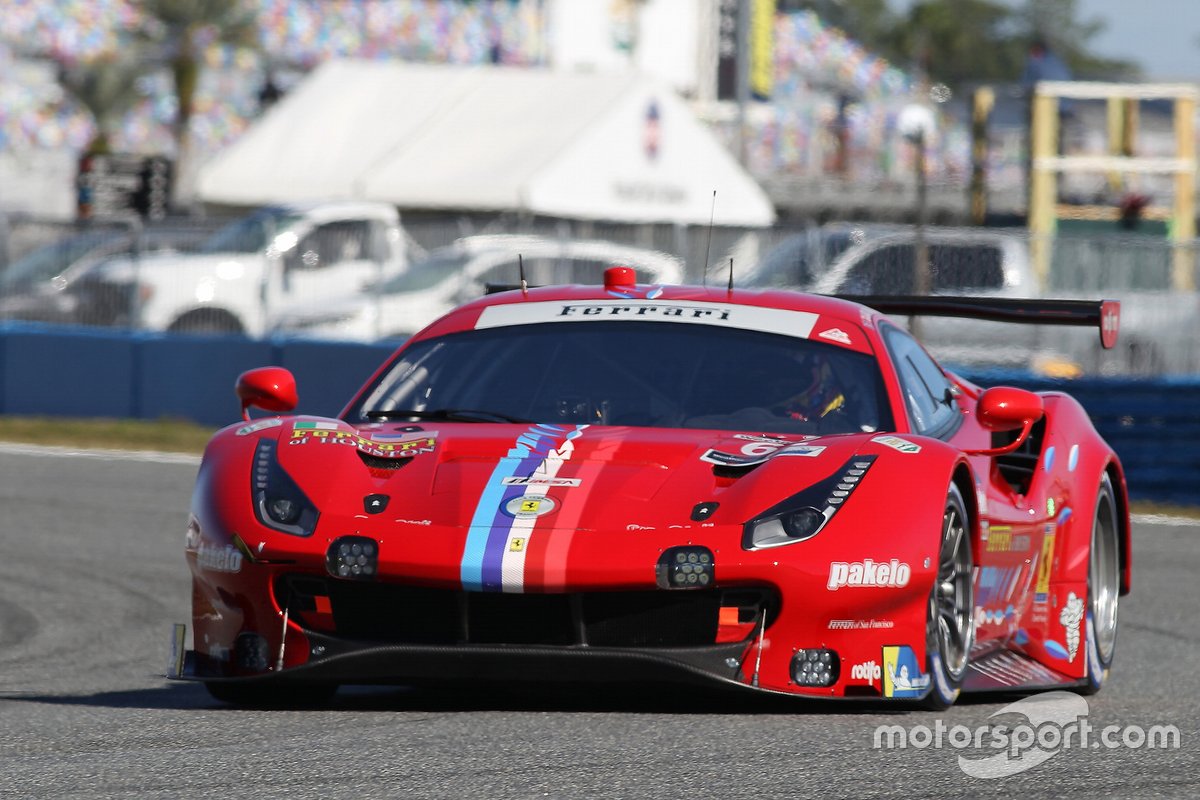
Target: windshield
<point>250,234</point>
<point>637,373</point>
<point>427,272</point>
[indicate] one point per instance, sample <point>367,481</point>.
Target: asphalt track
<point>92,576</point>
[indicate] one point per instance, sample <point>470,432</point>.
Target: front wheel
<point>1103,588</point>
<point>949,625</point>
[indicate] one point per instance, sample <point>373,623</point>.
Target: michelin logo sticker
<point>902,676</point>
<point>1071,618</point>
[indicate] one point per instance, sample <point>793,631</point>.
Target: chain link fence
<point>352,275</point>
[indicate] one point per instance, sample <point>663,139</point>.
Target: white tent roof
<point>589,146</point>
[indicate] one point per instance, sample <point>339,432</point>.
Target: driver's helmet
<point>810,390</point>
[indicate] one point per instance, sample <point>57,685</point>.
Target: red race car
<point>759,490</point>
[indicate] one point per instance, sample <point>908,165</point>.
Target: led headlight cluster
<point>355,557</point>
<point>278,501</point>
<point>815,666</point>
<point>688,567</point>
<point>803,515</point>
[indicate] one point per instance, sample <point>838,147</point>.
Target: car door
<point>1009,562</point>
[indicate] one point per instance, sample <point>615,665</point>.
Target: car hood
<point>595,477</point>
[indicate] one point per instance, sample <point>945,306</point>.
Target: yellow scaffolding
<point>1047,163</point>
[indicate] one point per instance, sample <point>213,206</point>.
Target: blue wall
<point>1154,425</point>
<point>69,372</point>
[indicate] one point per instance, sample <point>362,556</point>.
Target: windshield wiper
<point>450,414</point>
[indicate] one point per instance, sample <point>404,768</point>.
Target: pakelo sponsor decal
<point>902,676</point>
<point>529,506</point>
<point>215,558</point>
<point>868,671</point>
<point>259,425</point>
<point>893,574</point>
<point>896,443</point>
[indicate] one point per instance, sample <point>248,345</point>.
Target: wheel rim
<point>952,594</point>
<point>1104,578</point>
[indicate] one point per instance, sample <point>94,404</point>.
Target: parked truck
<point>250,270</point>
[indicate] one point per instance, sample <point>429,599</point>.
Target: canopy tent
<point>612,147</point>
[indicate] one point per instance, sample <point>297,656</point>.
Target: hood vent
<point>385,464</point>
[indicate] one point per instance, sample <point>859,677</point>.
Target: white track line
<point>1163,519</point>
<point>144,456</point>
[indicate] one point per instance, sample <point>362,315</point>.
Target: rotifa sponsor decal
<point>868,671</point>
<point>893,574</point>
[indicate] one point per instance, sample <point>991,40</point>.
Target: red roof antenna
<point>619,278</point>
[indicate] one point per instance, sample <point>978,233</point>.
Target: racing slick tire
<point>309,695</point>
<point>949,624</point>
<point>1103,589</point>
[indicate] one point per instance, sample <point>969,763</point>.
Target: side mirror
<point>268,388</point>
<point>1006,408</point>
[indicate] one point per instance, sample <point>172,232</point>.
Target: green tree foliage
<point>179,31</point>
<point>971,41</point>
<point>1056,22</point>
<point>107,88</point>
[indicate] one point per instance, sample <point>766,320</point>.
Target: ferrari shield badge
<point>529,506</point>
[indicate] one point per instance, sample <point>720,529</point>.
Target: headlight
<point>803,515</point>
<point>278,501</point>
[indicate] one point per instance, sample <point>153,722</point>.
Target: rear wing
<point>1105,315</point>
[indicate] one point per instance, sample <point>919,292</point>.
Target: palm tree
<point>180,30</point>
<point>107,88</point>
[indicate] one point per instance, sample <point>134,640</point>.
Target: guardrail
<point>1153,424</point>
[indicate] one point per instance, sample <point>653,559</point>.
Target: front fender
<point>863,583</point>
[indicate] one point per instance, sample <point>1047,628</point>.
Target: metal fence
<point>348,284</point>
